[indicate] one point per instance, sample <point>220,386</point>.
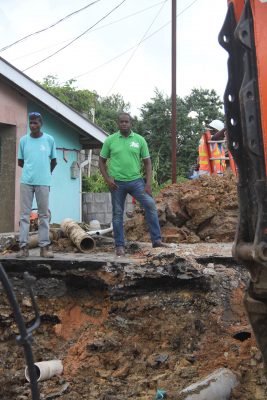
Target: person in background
<point>215,132</point>
<point>37,158</point>
<point>193,171</point>
<point>125,152</point>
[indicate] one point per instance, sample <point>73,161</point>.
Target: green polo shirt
<point>125,155</point>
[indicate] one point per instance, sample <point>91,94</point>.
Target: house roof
<point>91,135</point>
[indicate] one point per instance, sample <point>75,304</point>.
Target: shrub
<point>94,183</point>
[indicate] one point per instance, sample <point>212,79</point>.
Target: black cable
<point>93,30</point>
<point>77,37</point>
<point>25,335</point>
<point>136,48</point>
<point>127,51</point>
<point>48,27</point>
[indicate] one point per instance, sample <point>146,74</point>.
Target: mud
<point>162,323</point>
<point>204,209</point>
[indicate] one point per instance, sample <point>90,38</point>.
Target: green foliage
<point>105,109</point>
<point>206,103</point>
<point>94,183</point>
<point>80,100</point>
<point>155,126</point>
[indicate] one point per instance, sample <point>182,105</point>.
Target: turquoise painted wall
<point>65,191</point>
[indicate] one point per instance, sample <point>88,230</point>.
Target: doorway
<point>7,177</point>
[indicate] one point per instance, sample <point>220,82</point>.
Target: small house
<point>20,95</point>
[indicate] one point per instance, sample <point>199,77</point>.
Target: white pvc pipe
<point>216,386</point>
<point>100,231</point>
<point>46,369</point>
<point>82,165</point>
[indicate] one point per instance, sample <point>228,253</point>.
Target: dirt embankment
<point>176,324</point>
<point>205,209</point>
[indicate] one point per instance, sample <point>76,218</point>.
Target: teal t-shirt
<point>125,155</point>
<point>37,155</point>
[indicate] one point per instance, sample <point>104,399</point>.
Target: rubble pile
<point>204,209</point>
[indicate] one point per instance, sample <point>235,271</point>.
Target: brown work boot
<point>44,252</point>
<point>120,251</point>
<point>23,253</point>
<point>159,243</point>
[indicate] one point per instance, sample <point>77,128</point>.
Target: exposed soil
<point>204,209</point>
<point>180,320</point>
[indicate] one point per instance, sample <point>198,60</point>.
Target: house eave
<point>28,87</point>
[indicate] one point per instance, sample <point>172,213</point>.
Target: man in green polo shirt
<point>126,150</point>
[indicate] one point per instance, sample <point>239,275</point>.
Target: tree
<point>107,109</point>
<point>81,100</point>
<point>206,103</point>
<point>104,110</point>
<point>156,127</point>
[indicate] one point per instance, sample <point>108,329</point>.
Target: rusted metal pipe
<point>78,236</point>
<point>34,240</point>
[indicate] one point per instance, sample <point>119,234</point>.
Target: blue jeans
<point>26,198</point>
<point>136,189</point>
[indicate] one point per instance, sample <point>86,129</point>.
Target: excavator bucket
<point>244,37</point>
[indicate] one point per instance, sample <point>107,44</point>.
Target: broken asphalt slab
<point>125,276</point>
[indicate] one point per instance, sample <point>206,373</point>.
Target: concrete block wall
<point>98,206</point>
<point>94,161</point>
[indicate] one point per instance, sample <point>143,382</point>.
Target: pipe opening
<point>242,336</point>
<point>262,251</point>
<point>87,244</point>
<point>37,371</point>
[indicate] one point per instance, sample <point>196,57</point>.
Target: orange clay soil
<point>204,209</point>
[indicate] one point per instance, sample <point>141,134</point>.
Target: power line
<point>129,49</point>
<point>48,27</point>
<point>39,50</point>
<point>76,38</point>
<point>93,30</point>
<point>136,48</point>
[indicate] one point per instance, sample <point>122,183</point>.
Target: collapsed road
<point>127,327</point>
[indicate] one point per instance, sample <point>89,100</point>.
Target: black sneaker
<point>159,243</point>
<point>120,251</point>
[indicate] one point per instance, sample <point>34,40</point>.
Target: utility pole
<point>173,123</point>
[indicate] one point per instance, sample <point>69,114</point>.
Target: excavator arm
<point>244,37</point>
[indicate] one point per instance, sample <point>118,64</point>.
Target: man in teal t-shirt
<point>37,156</point>
<point>126,151</point>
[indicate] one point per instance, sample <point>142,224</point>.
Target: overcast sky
<point>201,62</point>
